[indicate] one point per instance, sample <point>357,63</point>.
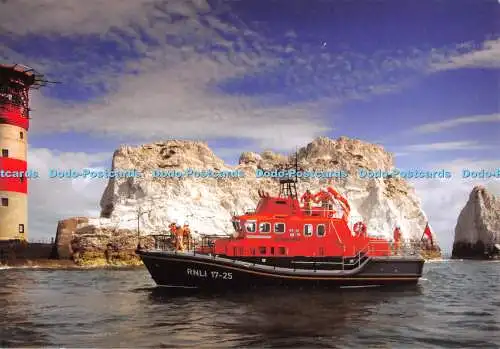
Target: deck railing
<point>167,242</point>
<point>313,211</point>
<point>400,249</point>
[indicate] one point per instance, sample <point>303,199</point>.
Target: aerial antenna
<point>296,163</point>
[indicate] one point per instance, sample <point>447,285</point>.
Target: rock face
<point>64,236</point>
<point>208,203</point>
<point>86,244</point>
<point>478,226</point>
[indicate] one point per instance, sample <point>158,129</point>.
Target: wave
<point>440,260</point>
<point>8,267</point>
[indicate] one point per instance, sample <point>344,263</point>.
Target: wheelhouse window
<point>308,229</point>
<point>282,250</point>
<point>279,228</point>
<point>262,250</point>
<point>320,230</point>
<point>5,153</point>
<point>272,250</point>
<point>236,226</point>
<point>265,227</point>
<point>250,226</point>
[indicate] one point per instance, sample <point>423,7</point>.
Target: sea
<point>455,305</point>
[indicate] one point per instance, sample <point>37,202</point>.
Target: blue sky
<point>142,71</point>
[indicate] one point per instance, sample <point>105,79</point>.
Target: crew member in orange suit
<point>307,198</point>
<point>324,198</point>
<point>172,229</point>
<point>179,232</point>
<point>397,239</point>
<point>186,236</point>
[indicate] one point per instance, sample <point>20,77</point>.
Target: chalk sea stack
<point>207,203</point>
<point>477,233</point>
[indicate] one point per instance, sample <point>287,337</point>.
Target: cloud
<point>166,92</point>
<point>443,199</point>
<point>144,107</point>
<point>488,56</point>
<point>445,146</point>
<point>451,123</point>
<point>67,17</point>
<point>53,199</point>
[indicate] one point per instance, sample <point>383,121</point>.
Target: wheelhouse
<point>281,226</point>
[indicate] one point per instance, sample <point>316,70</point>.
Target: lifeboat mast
<point>288,185</point>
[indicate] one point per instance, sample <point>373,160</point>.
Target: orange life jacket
<point>307,197</point>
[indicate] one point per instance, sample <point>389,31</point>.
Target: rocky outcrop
<point>64,235</point>
<point>478,226</point>
<point>88,245</point>
<point>208,203</point>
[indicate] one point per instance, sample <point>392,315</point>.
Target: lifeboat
<point>284,243</point>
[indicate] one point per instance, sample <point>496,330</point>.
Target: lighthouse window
<point>250,227</point>
<point>5,201</point>
<point>21,228</point>
<point>265,227</point>
<point>320,230</point>
<point>279,228</point>
<point>308,229</point>
<point>5,153</point>
<point>21,135</point>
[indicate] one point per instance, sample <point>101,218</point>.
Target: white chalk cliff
<point>478,222</point>
<point>207,203</point>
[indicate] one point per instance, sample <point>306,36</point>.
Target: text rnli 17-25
<point>216,275</point>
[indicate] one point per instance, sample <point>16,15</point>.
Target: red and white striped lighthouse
<point>15,83</point>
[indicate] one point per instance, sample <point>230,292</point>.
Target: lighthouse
<point>16,81</point>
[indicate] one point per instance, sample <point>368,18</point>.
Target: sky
<point>420,78</point>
